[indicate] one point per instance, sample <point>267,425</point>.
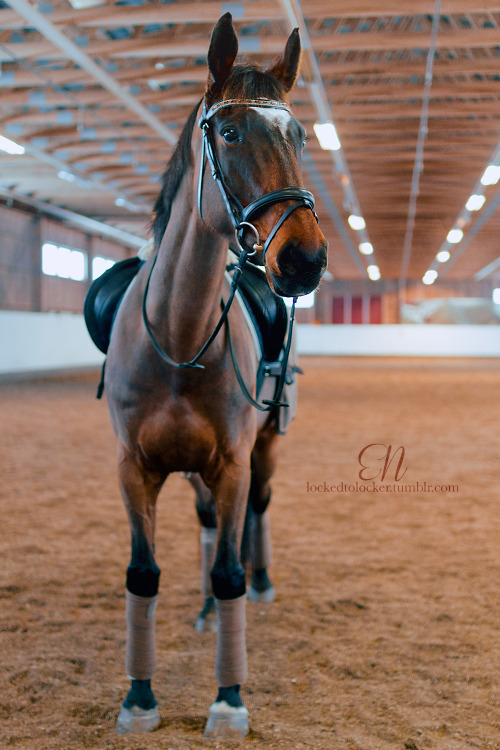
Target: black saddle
<point>104,297</point>
<point>267,310</point>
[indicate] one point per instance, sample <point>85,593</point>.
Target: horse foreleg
<point>139,711</point>
<point>228,717</point>
<point>258,523</point>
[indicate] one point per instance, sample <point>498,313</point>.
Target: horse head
<point>255,147</point>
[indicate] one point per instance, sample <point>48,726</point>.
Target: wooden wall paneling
<point>19,261</point>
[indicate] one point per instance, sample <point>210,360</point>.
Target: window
<point>307,300</point>
<point>63,262</point>
<point>100,264</point>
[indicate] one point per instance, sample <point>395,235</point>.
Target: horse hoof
<point>226,722</point>
<point>263,597</point>
<point>206,624</point>
<point>207,619</point>
<point>135,719</point>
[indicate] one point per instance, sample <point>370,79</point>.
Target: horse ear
<point>285,66</point>
<point>222,51</point>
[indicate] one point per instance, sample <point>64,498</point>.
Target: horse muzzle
<point>298,266</point>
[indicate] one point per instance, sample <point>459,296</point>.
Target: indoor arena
<point>249,375</point>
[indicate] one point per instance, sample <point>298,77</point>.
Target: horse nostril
<point>294,261</point>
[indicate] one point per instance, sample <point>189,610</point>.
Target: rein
<point>240,217</point>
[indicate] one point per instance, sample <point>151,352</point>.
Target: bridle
<point>241,217</point>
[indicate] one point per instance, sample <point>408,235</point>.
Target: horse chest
<point>185,437</point>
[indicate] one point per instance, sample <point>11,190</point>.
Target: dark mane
<point>176,168</point>
<point>244,82</point>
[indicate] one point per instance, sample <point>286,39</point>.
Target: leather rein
<point>241,219</point>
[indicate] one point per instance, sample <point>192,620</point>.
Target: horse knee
<point>143,581</point>
<point>228,582</point>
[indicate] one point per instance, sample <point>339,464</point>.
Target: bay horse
<point>235,180</point>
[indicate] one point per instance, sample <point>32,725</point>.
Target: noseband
<point>241,216</point>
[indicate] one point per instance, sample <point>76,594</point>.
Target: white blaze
<point>276,116</point>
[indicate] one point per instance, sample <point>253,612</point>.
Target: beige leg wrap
<point>261,549</point>
<point>140,654</point>
<point>231,655</point>
<point>208,549</point>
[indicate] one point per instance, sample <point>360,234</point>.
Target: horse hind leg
<point>260,555</point>
<point>139,711</point>
<point>259,544</point>
<point>205,508</point>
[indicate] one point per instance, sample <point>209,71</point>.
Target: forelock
<point>250,82</point>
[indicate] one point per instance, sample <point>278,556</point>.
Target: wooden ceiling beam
<point>340,96</point>
<point>91,96</point>
<point>258,10</point>
<point>346,115</point>
<point>405,68</point>
<point>197,74</point>
<point>72,51</point>
<point>163,46</point>
<point>396,92</point>
<point>408,110</point>
<point>355,41</point>
<point>400,128</point>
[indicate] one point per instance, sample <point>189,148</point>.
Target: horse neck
<point>188,279</point>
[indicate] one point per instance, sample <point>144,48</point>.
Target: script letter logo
<point>372,455</point>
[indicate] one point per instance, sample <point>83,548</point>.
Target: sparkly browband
<point>270,103</point>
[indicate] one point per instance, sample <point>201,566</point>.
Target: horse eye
<point>230,135</point>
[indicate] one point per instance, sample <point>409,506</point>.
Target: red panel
<point>376,309</point>
<point>357,310</point>
<point>338,310</point>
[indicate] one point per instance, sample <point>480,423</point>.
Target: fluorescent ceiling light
<point>124,203</point>
<point>68,176</point>
<point>430,276</point>
<point>475,203</point>
<point>366,248</point>
<point>356,222</point>
<point>443,256</point>
<point>10,147</point>
<point>327,136</point>
<point>373,273</point>
<point>80,4</point>
<point>491,175</point>
<point>454,236</point>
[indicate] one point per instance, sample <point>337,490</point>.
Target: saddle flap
<point>103,299</point>
<point>267,309</point>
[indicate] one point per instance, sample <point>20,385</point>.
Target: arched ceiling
<point>98,95</point>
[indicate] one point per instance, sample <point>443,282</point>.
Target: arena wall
<point>49,342</point>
